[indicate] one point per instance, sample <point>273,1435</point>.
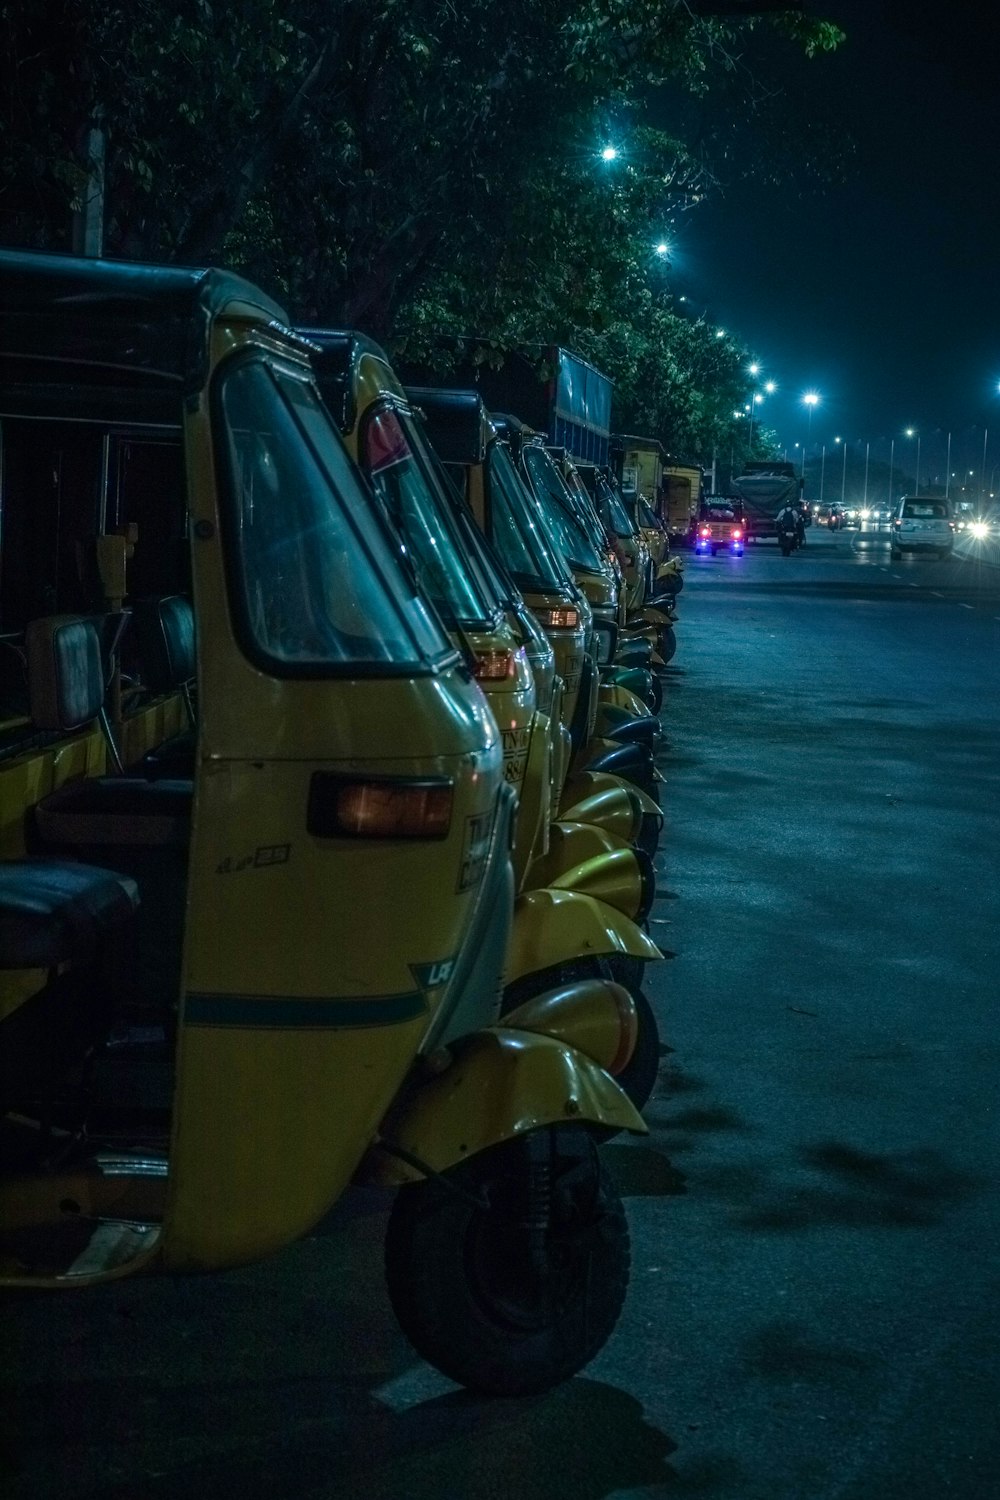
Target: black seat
<point>163,632</point>
<point>55,911</point>
<point>76,923</point>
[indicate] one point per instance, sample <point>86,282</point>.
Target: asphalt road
<point>813,1310</point>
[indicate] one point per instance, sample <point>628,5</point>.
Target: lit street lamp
<point>769,387</point>
<point>809,401</point>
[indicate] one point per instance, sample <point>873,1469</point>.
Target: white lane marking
<point>895,575</point>
<point>911,584</point>
<point>936,594</point>
<point>965,606</point>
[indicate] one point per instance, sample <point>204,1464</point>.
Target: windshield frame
<point>460,564</point>
<point>367,530</point>
<point>558,508</point>
<point>528,521</point>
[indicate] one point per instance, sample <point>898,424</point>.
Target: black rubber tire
<point>894,554</point>
<point>466,1290</point>
<point>666,643</point>
<point>786,550</point>
<point>638,1077</point>
<point>552,978</point>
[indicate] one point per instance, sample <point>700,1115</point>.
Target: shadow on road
<point>582,1442</point>
<point>903,1190</point>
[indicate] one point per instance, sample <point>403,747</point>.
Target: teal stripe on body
<point>292,1013</point>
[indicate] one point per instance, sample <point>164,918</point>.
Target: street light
<point>809,401</point>
<point>912,432</point>
<point>609,153</point>
<point>843,471</point>
<point>753,407</point>
<point>769,386</point>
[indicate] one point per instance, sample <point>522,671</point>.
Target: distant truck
<point>765,488</point>
<point>682,494</point>
<point>637,463</point>
<point>672,490</point>
<point>549,389</point>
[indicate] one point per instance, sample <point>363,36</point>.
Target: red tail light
<point>737,534</point>
<point>706,531</point>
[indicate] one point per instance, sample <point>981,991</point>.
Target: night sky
<point>880,293</point>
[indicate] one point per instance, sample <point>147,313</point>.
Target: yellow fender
<point>553,926</point>
<point>612,809</point>
<point>614,876</point>
<point>594,1016</point>
<point>498,1084</point>
<point>571,841</point>
<point>620,697</point>
<point>587,783</point>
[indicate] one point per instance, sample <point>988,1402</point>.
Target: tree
<point>389,163</point>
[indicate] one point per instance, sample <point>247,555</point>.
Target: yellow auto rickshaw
<point>255,885</point>
<point>474,450</point>
<point>627,683</point>
<point>581,891</point>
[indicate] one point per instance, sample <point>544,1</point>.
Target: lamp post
<point>912,432</point>
<point>822,472</point>
<point>770,388</point>
<point>892,455</point>
<point>864,498</point>
<point>982,478</point>
<point>843,472</point>
<point>809,401</point>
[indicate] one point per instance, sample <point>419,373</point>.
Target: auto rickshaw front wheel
<point>508,1272</point>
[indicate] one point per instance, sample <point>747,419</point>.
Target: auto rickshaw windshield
<point>621,522</point>
<point>403,477</point>
<point>517,528</point>
<point>315,586</point>
<point>574,542</point>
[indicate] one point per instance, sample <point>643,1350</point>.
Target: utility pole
<point>88,220</point>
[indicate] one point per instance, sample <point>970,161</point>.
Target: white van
<point>922,523</point>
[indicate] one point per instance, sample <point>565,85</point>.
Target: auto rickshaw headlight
<point>379,807</point>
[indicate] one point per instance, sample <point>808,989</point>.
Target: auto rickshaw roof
<point>336,358</point>
<point>460,427</point>
<point>149,321</point>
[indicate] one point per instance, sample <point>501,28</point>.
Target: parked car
<point>922,524</point>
